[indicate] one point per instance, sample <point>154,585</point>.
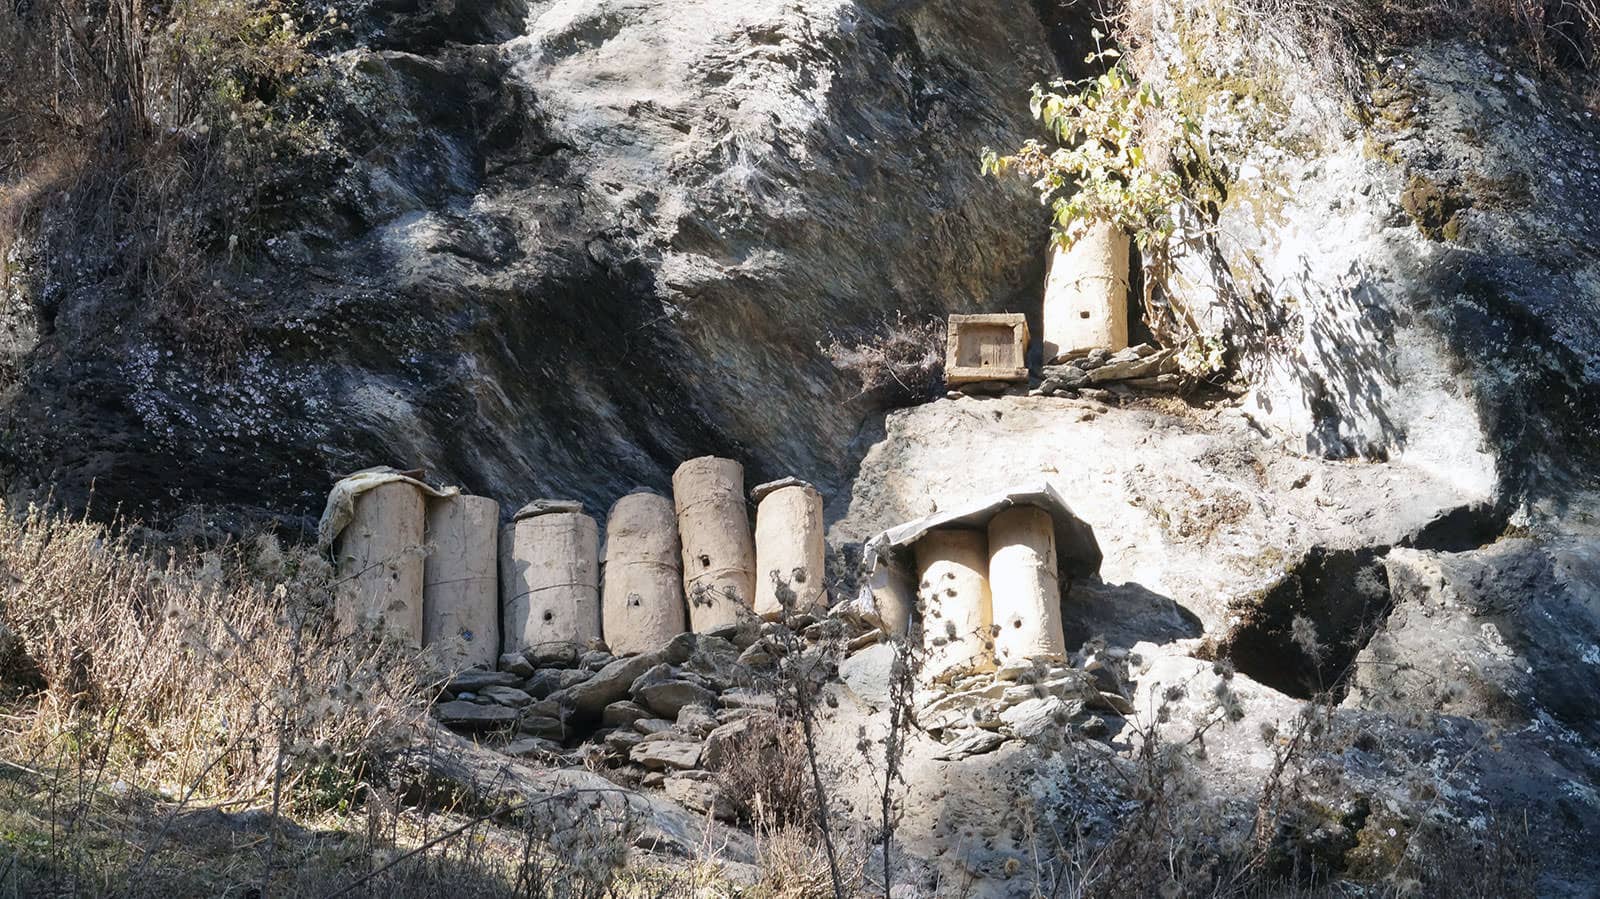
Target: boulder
<point>868,674</point>
<point>623,713</point>
<point>700,794</point>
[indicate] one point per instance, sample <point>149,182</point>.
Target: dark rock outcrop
<point>561,256</point>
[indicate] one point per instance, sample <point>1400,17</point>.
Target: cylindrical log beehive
<point>380,555</point>
<point>642,601</point>
<point>1022,582</point>
<point>956,614</point>
<point>549,581</point>
<point>1086,294</point>
<point>790,552</point>
<point>461,583</point>
<point>895,595</point>
<point>719,553</point>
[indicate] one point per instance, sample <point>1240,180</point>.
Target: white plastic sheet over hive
<point>380,551</point>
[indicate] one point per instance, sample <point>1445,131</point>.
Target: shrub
<point>143,146</point>
<point>901,364</point>
<point>1127,158</point>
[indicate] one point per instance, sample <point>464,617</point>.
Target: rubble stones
<point>756,735</point>
<point>696,720</point>
<point>1034,718</point>
<point>652,726</point>
<point>622,741</point>
<point>612,682</point>
<point>668,697</point>
<point>547,681</point>
<point>542,726</point>
<point>531,747</point>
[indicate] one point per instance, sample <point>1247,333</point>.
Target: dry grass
<point>187,722</point>
<point>902,363</point>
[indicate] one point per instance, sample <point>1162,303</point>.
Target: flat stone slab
<point>761,491</point>
<point>476,679</point>
<point>660,755</point>
<point>458,713</point>
<point>971,743</point>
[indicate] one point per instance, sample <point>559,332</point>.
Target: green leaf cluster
<point>1122,154</point>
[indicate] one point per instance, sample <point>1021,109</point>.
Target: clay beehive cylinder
<point>461,584</point>
<point>953,585</point>
<point>1086,294</point>
<point>642,600</point>
<point>549,581</point>
<point>790,552</point>
<point>719,554</point>
<point>1022,581</point>
<point>380,557</point>
<point>895,595</point>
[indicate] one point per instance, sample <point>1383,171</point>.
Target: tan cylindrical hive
<point>642,601</point>
<point>549,580</point>
<point>380,555</point>
<point>956,613</point>
<point>790,550</point>
<point>719,553</point>
<point>461,583</point>
<point>1022,582</point>
<point>895,595</point>
<point>1086,294</point>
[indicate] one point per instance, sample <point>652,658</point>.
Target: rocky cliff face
<point>577,241</point>
<point>573,244</point>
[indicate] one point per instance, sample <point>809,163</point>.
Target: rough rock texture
<point>574,244</point>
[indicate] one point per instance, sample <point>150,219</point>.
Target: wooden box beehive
<point>990,347</point>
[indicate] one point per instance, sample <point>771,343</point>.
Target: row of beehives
<point>987,597</point>
<point>443,572</point>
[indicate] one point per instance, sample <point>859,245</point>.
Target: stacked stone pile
<point>1097,374</point>
<point>1041,702</point>
<point>667,719</point>
<point>1143,368</point>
